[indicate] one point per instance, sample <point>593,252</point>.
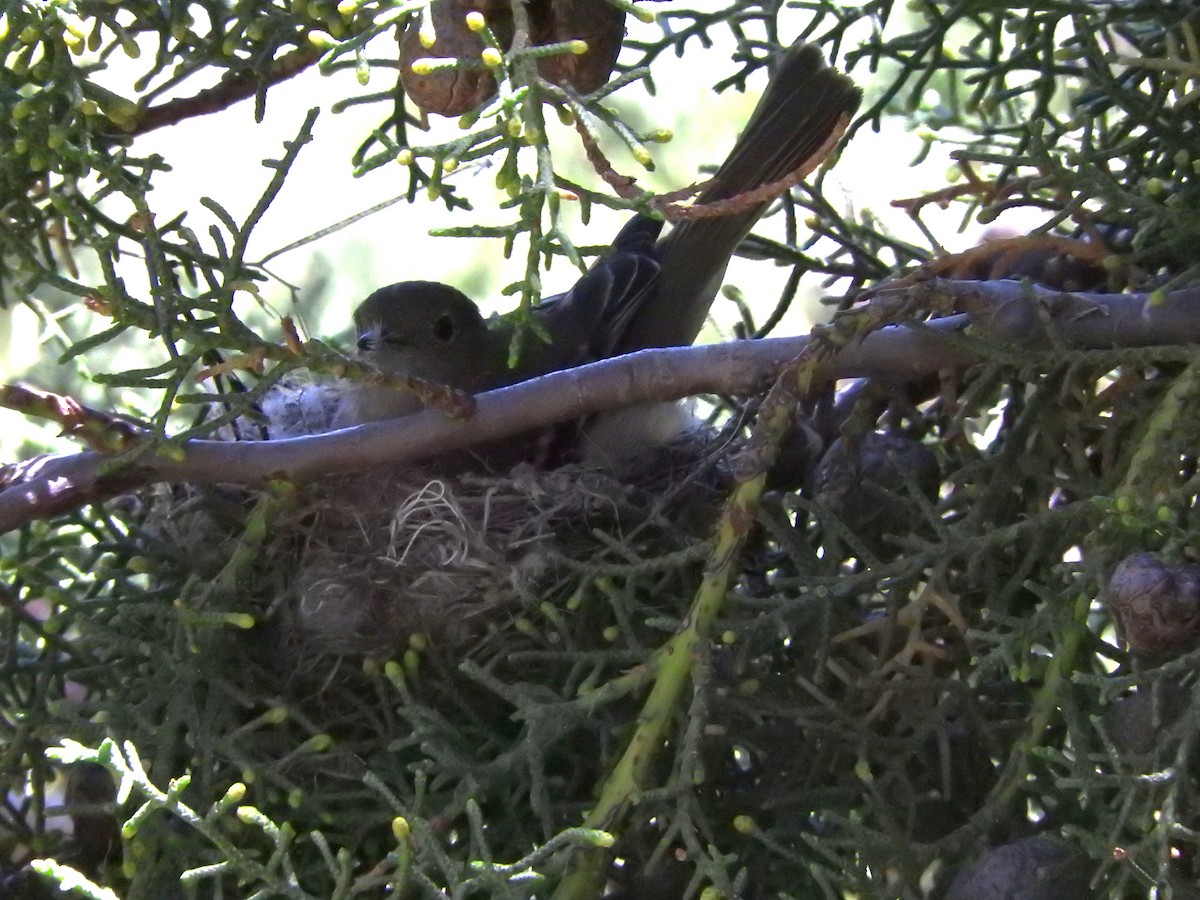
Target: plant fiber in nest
<point>359,565</point>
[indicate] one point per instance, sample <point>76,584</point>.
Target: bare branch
<point>100,430</point>
<point>1000,312</point>
<point>232,89</point>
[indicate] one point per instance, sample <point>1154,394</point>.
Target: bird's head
<point>426,329</point>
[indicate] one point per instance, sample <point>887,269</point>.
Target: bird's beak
<point>369,338</point>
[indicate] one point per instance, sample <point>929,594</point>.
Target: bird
<point>435,332</point>
<point>648,291</point>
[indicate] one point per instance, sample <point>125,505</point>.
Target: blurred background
<point>350,251</point>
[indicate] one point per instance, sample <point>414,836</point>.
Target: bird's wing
<point>799,112</point>
<point>586,322</point>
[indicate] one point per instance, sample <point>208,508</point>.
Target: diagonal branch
<point>232,89</point>
<point>1000,312</point>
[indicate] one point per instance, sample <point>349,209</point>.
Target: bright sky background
<point>220,156</point>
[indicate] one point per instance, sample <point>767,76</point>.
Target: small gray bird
<point>433,331</point>
<point>642,294</point>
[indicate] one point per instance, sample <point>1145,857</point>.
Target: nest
<point>359,565</point>
<point>389,555</point>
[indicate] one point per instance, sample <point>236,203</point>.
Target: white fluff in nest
<point>364,562</point>
<point>299,409</point>
<point>612,440</point>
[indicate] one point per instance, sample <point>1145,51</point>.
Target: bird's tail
<point>797,117</point>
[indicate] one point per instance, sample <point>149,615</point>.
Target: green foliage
<point>866,714</point>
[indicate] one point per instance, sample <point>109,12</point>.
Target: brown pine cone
<point>1156,605</point>
<point>452,92</point>
<point>601,25</point>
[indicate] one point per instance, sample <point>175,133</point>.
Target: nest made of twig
<point>387,555</point>
<point>360,564</point>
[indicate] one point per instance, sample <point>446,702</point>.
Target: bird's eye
<point>366,343</point>
<point>443,327</point>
